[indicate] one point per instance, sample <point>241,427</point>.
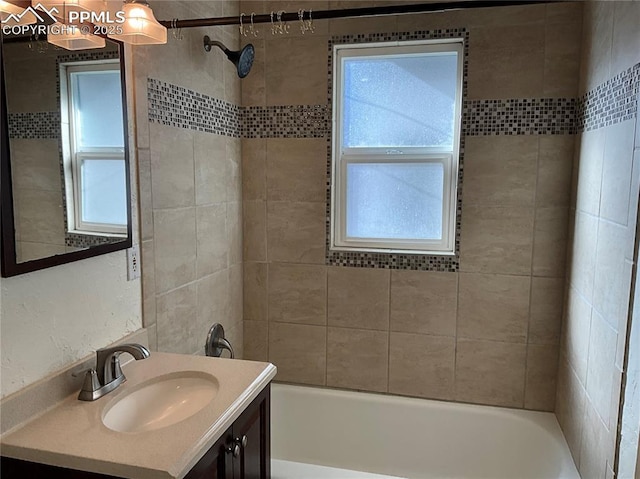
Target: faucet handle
<point>90,386</point>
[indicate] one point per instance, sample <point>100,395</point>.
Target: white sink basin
<point>161,402</point>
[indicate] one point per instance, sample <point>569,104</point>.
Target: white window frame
<point>341,156</point>
<point>73,156</point>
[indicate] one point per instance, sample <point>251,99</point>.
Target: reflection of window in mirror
<point>93,147</point>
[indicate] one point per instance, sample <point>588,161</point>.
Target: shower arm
<point>208,43</point>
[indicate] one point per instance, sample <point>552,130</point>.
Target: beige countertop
<point>72,434</point>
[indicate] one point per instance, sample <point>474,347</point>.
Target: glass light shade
<point>109,8</point>
<point>65,6</point>
<point>12,15</point>
<point>71,38</point>
<point>140,26</point>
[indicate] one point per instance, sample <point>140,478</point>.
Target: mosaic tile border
<point>395,260</point>
<point>34,126</point>
<point>612,102</point>
<point>76,240</point>
<point>179,107</point>
<point>288,121</point>
<point>514,116</point>
<point>533,116</point>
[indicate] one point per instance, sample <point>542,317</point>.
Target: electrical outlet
<point>133,263</point>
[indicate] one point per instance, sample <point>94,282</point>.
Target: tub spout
<point>216,342</point>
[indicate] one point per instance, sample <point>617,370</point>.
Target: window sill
<point>349,249</point>
<point>98,234</point>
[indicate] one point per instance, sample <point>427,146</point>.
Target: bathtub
<point>415,438</point>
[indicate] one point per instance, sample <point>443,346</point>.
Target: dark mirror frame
<point>10,266</point>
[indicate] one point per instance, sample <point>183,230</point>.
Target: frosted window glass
<point>98,109</point>
<point>401,101</point>
<point>104,196</point>
<point>395,201</point>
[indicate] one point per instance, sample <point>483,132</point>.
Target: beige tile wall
<point>190,192</point>
<point>603,217</point>
<point>488,334</point>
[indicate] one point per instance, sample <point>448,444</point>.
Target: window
<point>396,135</point>
<point>93,148</point>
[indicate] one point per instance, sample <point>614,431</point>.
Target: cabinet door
<point>252,431</point>
<point>216,463</point>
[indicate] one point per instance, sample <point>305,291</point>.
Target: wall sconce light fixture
<point>140,26</point>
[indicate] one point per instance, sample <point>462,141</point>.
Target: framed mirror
<point>65,157</point>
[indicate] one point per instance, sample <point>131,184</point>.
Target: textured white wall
<point>54,317</point>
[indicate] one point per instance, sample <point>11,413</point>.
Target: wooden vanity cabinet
<point>242,452</point>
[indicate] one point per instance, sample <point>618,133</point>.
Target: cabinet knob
<point>234,450</point>
<point>242,441</point>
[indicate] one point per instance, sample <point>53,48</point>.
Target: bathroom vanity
<point>176,416</point>
<point>243,451</point>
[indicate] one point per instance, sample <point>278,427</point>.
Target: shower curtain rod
<point>352,12</point>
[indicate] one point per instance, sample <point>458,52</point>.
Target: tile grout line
<point>455,344</point>
<point>531,264</point>
<point>326,334</point>
<point>389,335</point>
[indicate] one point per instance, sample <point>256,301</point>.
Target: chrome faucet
<point>108,375</point>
